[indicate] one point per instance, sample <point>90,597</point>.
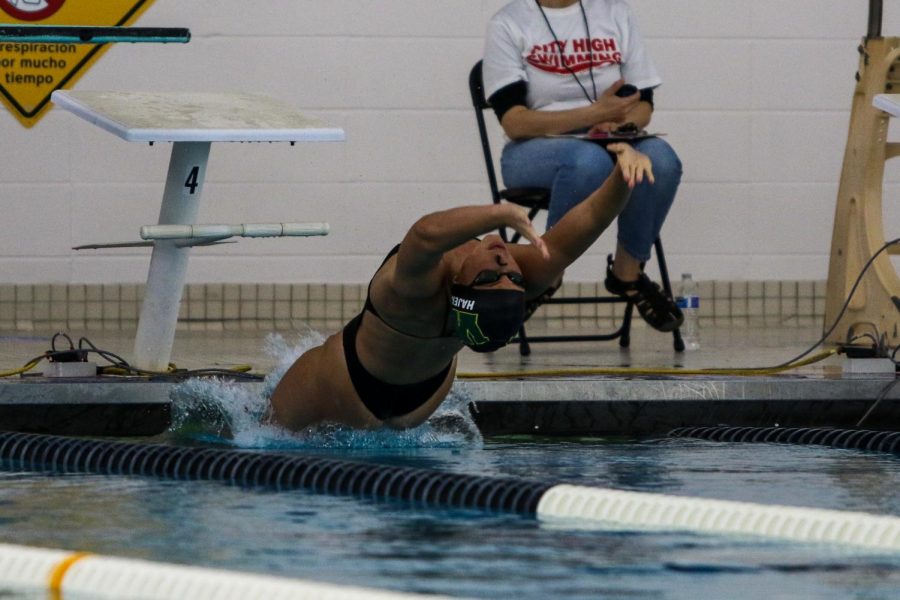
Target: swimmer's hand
<point>516,218</point>
<point>635,166</point>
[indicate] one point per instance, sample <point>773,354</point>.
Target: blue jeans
<point>572,169</point>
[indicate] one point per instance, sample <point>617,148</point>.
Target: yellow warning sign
<point>30,72</point>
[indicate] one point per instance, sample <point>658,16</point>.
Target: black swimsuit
<point>385,400</point>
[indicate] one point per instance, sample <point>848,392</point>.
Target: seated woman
<point>438,291</point>
<point>561,66</point>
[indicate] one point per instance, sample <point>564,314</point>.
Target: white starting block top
<point>889,103</point>
<point>192,121</point>
<point>194,117</point>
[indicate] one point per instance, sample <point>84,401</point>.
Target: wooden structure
<point>858,223</point>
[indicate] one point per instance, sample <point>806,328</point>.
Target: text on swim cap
<point>462,303</point>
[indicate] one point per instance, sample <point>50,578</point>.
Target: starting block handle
<point>249,230</point>
<point>78,34</point>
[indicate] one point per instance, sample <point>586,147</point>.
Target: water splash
<point>217,411</point>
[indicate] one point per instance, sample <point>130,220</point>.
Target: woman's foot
<point>655,306</point>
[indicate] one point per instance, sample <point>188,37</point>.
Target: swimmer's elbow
<point>426,235</point>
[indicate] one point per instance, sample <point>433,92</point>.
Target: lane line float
<point>573,506</point>
<point>66,574</point>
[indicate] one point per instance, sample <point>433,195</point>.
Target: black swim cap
<point>485,320</point>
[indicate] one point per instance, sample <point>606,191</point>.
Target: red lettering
<point>585,53</point>
<point>607,45</point>
<point>540,58</point>
<point>551,48</point>
<point>607,59</point>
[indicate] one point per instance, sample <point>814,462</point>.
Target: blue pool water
<point>466,553</point>
<point>476,554</point>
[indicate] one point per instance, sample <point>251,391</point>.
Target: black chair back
<point>480,103</point>
<point>534,199</point>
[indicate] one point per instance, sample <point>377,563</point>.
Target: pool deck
<point>632,405</point>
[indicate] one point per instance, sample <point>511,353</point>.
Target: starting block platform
<point>192,122</point>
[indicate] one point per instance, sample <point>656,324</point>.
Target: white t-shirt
<point>520,47</point>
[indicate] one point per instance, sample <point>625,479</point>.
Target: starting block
<point>192,122</point>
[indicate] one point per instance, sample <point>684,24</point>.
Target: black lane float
<point>855,439</point>
<point>273,470</point>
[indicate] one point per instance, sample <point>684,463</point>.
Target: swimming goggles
<point>488,276</point>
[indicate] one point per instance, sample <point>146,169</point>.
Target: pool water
<point>476,554</point>
<point>397,546</point>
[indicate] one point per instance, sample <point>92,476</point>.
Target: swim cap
<point>485,320</point>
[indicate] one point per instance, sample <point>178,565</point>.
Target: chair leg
<point>625,338</point>
<point>524,346</point>
<point>624,332</point>
<point>677,341</point>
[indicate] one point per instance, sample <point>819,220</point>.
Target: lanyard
<point>562,56</point>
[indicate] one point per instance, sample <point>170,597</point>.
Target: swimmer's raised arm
<point>582,225</point>
<point>419,270</point>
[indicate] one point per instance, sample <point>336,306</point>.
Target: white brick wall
<point>756,100</point>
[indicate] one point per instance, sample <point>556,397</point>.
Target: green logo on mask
<point>466,328</point>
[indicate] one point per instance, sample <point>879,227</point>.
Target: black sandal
<point>656,307</point>
<point>535,303</point>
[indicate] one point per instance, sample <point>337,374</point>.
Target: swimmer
<point>439,290</point>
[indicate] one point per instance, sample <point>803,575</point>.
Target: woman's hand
<point>607,113</point>
<point>635,166</point>
<point>516,218</point>
<point>610,108</point>
<point>605,127</point>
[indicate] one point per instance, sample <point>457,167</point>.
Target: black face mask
<point>486,320</point>
<point>490,346</point>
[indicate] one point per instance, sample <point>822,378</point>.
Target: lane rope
<point>83,574</point>
<point>61,568</point>
<point>575,506</point>
<point>599,508</point>
<point>857,439</point>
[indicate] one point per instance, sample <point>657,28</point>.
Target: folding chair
<point>536,200</point>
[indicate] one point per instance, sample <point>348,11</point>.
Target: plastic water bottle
<point>689,303</point>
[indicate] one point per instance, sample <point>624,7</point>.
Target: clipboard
<point>609,137</point>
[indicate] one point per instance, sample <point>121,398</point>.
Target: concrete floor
<point>721,346</point>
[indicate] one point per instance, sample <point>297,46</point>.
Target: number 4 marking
<point>192,180</point>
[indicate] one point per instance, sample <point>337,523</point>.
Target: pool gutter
<point>601,406</point>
